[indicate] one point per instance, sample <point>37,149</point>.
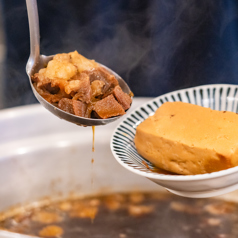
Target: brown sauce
<point>158,170</point>
<point>93,129</point>
<point>92,173</point>
<point>131,94</point>
<point>132,215</point>
<point>93,150</point>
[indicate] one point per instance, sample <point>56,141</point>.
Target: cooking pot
<point>45,158</point>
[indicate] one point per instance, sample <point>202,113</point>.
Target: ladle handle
<point>33,19</point>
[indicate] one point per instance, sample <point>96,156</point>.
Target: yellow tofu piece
<point>188,139</point>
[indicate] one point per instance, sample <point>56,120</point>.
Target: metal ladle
<point>37,62</point>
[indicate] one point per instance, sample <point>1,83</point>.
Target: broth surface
<point>132,215</point>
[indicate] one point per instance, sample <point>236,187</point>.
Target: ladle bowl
<point>37,62</point>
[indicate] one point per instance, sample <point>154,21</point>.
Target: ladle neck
<point>33,19</point>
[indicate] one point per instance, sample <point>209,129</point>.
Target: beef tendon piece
<point>53,90</point>
<point>90,108</point>
<point>103,75</point>
<point>51,98</point>
<point>73,86</point>
<point>40,79</point>
<point>79,108</point>
<point>75,107</point>
<point>110,78</point>
<point>83,88</point>
<point>76,84</point>
<point>66,105</point>
<point>97,87</point>
<point>108,107</point>
<point>41,82</point>
<point>123,98</point>
<point>53,86</point>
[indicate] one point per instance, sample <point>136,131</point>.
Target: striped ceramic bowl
<point>219,97</point>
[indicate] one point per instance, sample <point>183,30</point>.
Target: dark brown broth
<point>134,215</point>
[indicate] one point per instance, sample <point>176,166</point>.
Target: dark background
<point>156,45</point>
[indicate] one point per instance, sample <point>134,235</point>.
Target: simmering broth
<point>130,215</point>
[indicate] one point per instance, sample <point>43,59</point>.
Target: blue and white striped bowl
<point>219,97</point>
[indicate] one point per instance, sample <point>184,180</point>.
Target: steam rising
<point>156,46</point>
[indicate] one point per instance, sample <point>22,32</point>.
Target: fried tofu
<point>188,139</point>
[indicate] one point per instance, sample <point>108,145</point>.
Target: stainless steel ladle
<point>37,61</point>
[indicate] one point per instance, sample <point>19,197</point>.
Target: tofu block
<point>188,139</point>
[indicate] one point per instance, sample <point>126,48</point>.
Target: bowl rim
<point>174,178</point>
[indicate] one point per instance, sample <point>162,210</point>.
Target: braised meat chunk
<point>75,107</point>
<point>104,76</point>
<point>108,107</point>
<point>123,98</point>
<point>83,91</point>
<point>81,87</point>
<point>97,87</point>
